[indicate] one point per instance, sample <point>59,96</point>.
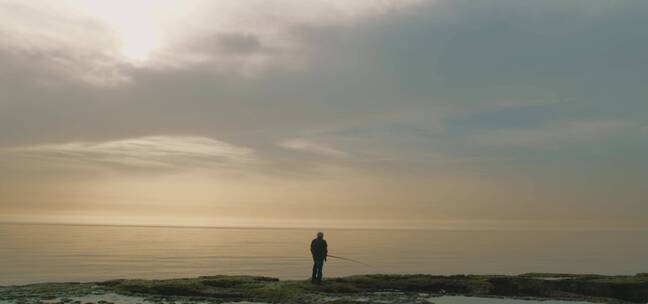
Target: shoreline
<point>352,289</point>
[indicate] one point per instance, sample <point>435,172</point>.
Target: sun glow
<point>139,43</point>
<point>136,25</point>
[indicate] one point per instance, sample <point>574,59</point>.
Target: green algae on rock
<point>354,289</point>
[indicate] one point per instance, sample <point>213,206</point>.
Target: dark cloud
<point>239,43</point>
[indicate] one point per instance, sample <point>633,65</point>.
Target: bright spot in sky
<point>139,31</point>
<point>138,44</point>
<point>137,25</point>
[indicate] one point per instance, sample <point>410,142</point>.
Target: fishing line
<point>347,259</point>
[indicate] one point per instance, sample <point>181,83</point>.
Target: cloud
<point>152,152</point>
<point>554,135</point>
<point>58,44</point>
<point>440,91</point>
<point>304,145</point>
<point>101,43</point>
<point>644,130</point>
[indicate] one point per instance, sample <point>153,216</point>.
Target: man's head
<point>320,235</point>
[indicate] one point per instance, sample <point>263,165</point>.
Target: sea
<point>33,253</point>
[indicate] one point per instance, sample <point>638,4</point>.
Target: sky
<point>439,114</point>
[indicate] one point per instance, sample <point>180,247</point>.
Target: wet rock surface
<point>386,289</point>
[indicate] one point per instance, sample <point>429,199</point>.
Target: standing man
<point>319,250</point>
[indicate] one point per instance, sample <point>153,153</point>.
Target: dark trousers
<point>318,264</point>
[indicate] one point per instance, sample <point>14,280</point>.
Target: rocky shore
<point>388,289</point>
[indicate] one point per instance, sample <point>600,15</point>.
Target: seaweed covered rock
<point>218,289</point>
<point>566,286</point>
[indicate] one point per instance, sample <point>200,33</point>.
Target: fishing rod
<point>347,259</point>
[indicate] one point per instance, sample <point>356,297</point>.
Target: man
<point>319,250</point>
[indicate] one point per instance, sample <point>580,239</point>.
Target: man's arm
<point>325,250</point>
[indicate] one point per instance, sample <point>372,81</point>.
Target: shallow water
<point>479,300</point>
<point>109,297</point>
<point>120,299</point>
<point>47,253</point>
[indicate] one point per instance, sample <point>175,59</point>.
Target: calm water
<point>40,253</point>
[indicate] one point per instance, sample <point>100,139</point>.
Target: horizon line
<point>262,227</point>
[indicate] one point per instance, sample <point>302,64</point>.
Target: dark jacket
<point>319,249</point>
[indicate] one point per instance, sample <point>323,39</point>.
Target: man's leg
<point>314,276</point>
<point>320,265</point>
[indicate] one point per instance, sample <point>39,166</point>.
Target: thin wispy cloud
<point>155,152</point>
<point>308,146</point>
<point>555,135</point>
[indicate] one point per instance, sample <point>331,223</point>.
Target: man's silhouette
<point>319,250</point>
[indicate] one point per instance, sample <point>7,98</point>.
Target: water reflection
<point>38,253</point>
